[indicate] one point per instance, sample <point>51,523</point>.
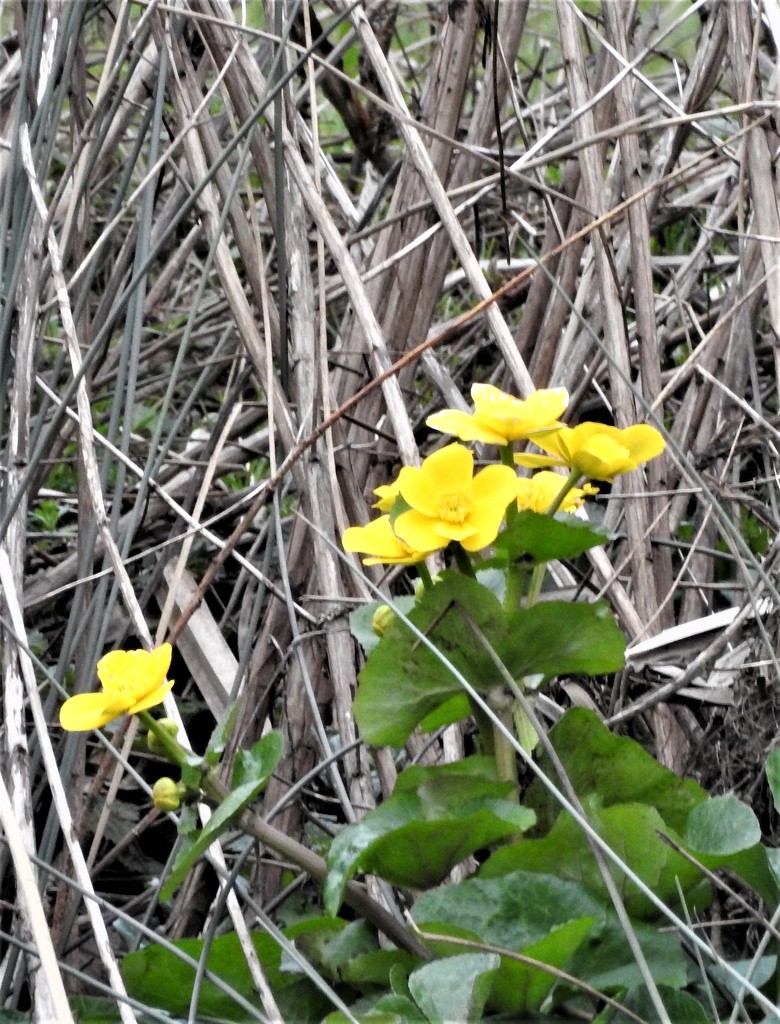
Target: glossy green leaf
<point>679,1006</point>
<point>513,912</point>
<point>540,538</point>
<point>159,978</point>
<point>436,817</point>
<point>725,833</point>
<point>632,831</point>
<point>537,915</point>
<point>256,765</point>
<point>255,768</point>
<point>454,990</point>
<point>403,681</point>
<point>607,962</point>
<point>390,1009</point>
<point>613,769</point>
<point>721,826</point>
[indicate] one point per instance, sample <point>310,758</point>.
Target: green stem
<point>425,575</point>
<point>572,480</point>
<point>537,576</point>
<point>463,561</point>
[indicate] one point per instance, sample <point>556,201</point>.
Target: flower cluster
<point>444,500</point>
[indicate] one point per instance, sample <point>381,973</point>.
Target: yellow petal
<point>420,531</point>
<point>141,670</point>
<point>379,540</point>
<point>151,699</point>
<point>87,711</point>
<point>448,469</point>
<point>465,426</point>
<point>531,461</point>
<point>644,442</point>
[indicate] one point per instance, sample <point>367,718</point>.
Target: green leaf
<point>390,1009</point>
<point>679,1007</point>
<point>721,826</point>
<point>403,681</point>
<point>540,538</point>
<point>454,990</point>
<point>436,817</point>
<point>632,831</point>
<point>537,915</point>
<point>613,769</point>
<point>255,767</point>
<point>725,833</point>
<point>513,912</point>
<point>159,978</point>
<point>221,735</point>
<point>773,776</point>
<point>607,962</point>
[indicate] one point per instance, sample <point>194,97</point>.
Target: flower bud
<point>167,725</point>
<point>167,794</point>
<point>381,619</point>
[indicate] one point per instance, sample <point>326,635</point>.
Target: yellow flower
<point>447,502</point>
<point>132,681</point>
<point>378,540</point>
<point>499,418</point>
<point>597,451</point>
<point>537,493</point>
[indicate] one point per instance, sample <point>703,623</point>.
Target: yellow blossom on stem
<point>448,502</point>
<point>499,418</point>
<point>131,681</point>
<point>537,493</point>
<point>595,450</point>
<point>378,540</point>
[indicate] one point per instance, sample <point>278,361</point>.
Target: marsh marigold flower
<point>498,418</point>
<point>537,493</point>
<point>596,450</point>
<point>448,502</point>
<point>378,540</point>
<point>132,681</point>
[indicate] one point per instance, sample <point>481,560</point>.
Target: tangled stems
<point>284,846</point>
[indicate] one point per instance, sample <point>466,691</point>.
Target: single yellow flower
<point>378,540</point>
<point>499,418</point>
<point>448,502</point>
<point>596,450</point>
<point>537,493</point>
<point>132,681</point>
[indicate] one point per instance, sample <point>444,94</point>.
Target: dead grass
<point>259,269</point>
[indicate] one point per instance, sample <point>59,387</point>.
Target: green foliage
<point>404,680</point>
<point>539,538</point>
<point>436,817</point>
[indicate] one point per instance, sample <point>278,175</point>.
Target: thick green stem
<point>425,575</point>
<point>463,561</point>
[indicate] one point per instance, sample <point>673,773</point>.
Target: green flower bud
<point>381,619</point>
<point>167,725</point>
<point>167,794</point>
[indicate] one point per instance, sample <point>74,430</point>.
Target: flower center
<point>454,506</point>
